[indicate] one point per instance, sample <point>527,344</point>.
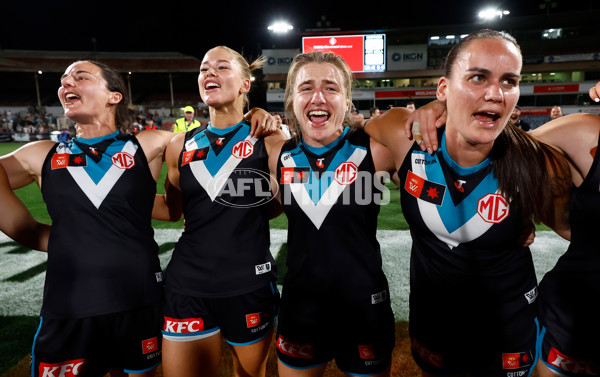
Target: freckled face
<point>320,103</point>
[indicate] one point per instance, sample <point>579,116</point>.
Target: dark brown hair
<point>115,83</point>
<point>525,167</point>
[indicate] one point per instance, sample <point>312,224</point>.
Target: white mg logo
<point>493,208</point>
<point>123,160</point>
<point>242,149</point>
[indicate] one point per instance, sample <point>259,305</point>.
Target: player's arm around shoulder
<point>168,206</point>
<point>274,146</point>
<point>388,130</point>
<point>154,144</point>
<point>24,165</point>
<point>576,136</point>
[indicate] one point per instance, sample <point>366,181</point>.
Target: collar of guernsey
<point>455,166</point>
<point>95,140</point>
<point>324,149</point>
<point>226,130</point>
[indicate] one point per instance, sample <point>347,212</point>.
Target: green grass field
<point>390,216</point>
<point>17,330</point>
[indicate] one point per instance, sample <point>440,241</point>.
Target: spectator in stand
<point>150,124</point>
<point>375,112</point>
<point>187,122</point>
<point>284,127</point>
<point>556,112</point>
<point>411,106</point>
<point>515,118</point>
<point>64,136</point>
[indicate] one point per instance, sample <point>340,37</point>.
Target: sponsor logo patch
<point>183,326</point>
<point>423,189</point>
<point>516,360</point>
<point>366,351</point>
<point>242,149</point>
<point>123,160</point>
<point>294,349</point>
<point>294,175</point>
<point>262,268</point>
<point>62,160</point>
<point>345,173</point>
<point>252,320</point>
<point>428,356</point>
<point>194,155</point>
<point>493,208</point>
<point>149,345</point>
<point>379,297</point>
<point>582,367</point>
<point>69,368</point>
<point>531,295</point>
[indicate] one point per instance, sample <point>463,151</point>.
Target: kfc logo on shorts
<point>69,368</point>
<point>294,349</point>
<point>582,367</point>
<point>149,345</point>
<point>366,351</point>
<point>183,326</point>
<point>428,356</point>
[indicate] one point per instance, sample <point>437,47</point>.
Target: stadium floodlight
<point>280,27</point>
<point>491,13</point>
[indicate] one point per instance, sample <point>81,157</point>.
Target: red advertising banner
<point>538,89</point>
<point>349,47</point>
<point>405,93</point>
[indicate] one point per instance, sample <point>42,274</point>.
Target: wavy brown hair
<point>526,168</point>
<point>115,83</point>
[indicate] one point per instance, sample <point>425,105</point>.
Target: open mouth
<point>486,117</point>
<point>211,85</point>
<point>70,98</point>
<point>318,116</point>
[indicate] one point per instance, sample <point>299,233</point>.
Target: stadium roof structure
<point>58,61</point>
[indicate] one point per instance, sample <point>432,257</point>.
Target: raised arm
<point>388,130</point>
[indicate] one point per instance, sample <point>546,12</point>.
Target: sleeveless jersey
<point>465,254</point>
<point>102,257</point>
<point>575,280</point>
<point>225,186</point>
<point>331,197</point>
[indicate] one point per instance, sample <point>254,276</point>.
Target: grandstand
<point>560,50</point>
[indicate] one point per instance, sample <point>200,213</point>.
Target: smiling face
<point>481,92</point>
<point>320,102</point>
<point>84,95</point>
<point>220,80</point>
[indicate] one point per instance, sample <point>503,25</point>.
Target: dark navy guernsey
<point>224,180</point>
<point>465,254</point>
<point>102,257</point>
<point>331,198</point>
